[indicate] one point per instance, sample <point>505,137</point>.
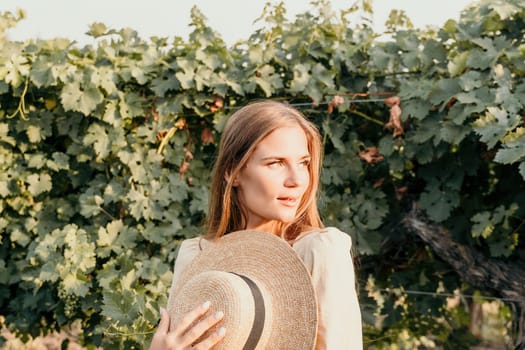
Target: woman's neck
<point>273,227</point>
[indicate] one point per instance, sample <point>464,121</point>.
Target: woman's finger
<point>211,340</point>
<point>157,343</point>
<point>189,318</point>
<point>201,327</point>
<point>164,324</point>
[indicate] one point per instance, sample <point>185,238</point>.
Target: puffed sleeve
<point>326,254</point>
<point>188,250</point>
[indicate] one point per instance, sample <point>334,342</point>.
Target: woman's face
<point>273,181</point>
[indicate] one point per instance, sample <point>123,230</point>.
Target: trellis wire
<point>436,294</point>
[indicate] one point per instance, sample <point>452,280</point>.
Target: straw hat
<point>260,284</point>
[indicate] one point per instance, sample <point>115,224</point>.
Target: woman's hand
<point>181,337</point>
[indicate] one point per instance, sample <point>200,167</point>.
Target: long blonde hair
<point>242,133</point>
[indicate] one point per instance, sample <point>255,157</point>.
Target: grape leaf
<point>39,183</point>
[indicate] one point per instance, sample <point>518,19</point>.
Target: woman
<point>266,178</point>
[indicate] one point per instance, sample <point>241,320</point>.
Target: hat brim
<point>271,261</point>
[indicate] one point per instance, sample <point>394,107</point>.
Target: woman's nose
<point>296,177</point>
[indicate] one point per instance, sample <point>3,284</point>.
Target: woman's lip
<point>288,201</point>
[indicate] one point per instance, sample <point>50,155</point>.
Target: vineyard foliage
<point>105,155</point>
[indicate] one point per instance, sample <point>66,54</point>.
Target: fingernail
<point>206,305</point>
<point>161,314</point>
<point>219,315</point>
<point>221,331</point>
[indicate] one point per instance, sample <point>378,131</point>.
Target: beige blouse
<point>326,255</point>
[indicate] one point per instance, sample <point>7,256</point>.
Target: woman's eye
<point>305,163</point>
<point>275,164</point>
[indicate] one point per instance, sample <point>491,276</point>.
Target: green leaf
<point>494,125</point>
<point>504,246</point>
<point>20,237</point>
<point>97,29</point>
<point>76,286</point>
<point>301,77</point>
<point>425,131</point>
<point>60,161</point>
<point>453,133</point>
<point>90,204</point>
<point>33,133</point>
<point>482,226</point>
<point>121,306</point>
<point>368,242</point>
<point>91,97</point>
<point>104,78</point>
<point>210,59</point>
<point>459,112</point>
<point>268,81</point>
<point>98,137</point>
<point>130,105</point>
<point>42,72</point>
<point>416,108</point>
<point>511,153</point>
<point>159,233</point>
<point>4,135</point>
<point>522,169</point>
<point>107,235</point>
<point>386,146</point>
<point>470,80</point>
<point>256,54</point>
<point>79,98</point>
<point>323,75</point>
<point>111,114</point>
<point>419,90</point>
<point>424,154</point>
<point>163,84</point>
<point>481,59</point>
<point>443,90</point>
<point>438,202</point>
<point>139,205</point>
<point>380,58</point>
<point>4,190</point>
<point>79,252</point>
<point>39,183</point>
<point>202,77</point>
<point>4,272</point>
<point>369,208</point>
<point>458,64</point>
<point>434,51</point>
<point>468,97</point>
<point>334,135</point>
<point>188,72</point>
<point>15,70</point>
<point>113,192</point>
<point>36,160</point>
<point>504,9</point>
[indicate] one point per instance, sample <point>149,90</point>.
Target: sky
<point>233,19</point>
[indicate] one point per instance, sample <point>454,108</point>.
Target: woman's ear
<point>228,178</point>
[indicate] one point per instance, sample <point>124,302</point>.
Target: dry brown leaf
<point>335,102</point>
<point>207,136</point>
<point>371,155</point>
<point>379,182</point>
<point>391,101</point>
<point>400,192</point>
<point>161,134</point>
<point>218,104</point>
<point>181,124</point>
<point>184,168</point>
<point>395,116</point>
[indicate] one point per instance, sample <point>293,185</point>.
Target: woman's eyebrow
<point>273,158</point>
<point>306,156</point>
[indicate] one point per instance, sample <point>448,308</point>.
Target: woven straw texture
<point>291,317</point>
